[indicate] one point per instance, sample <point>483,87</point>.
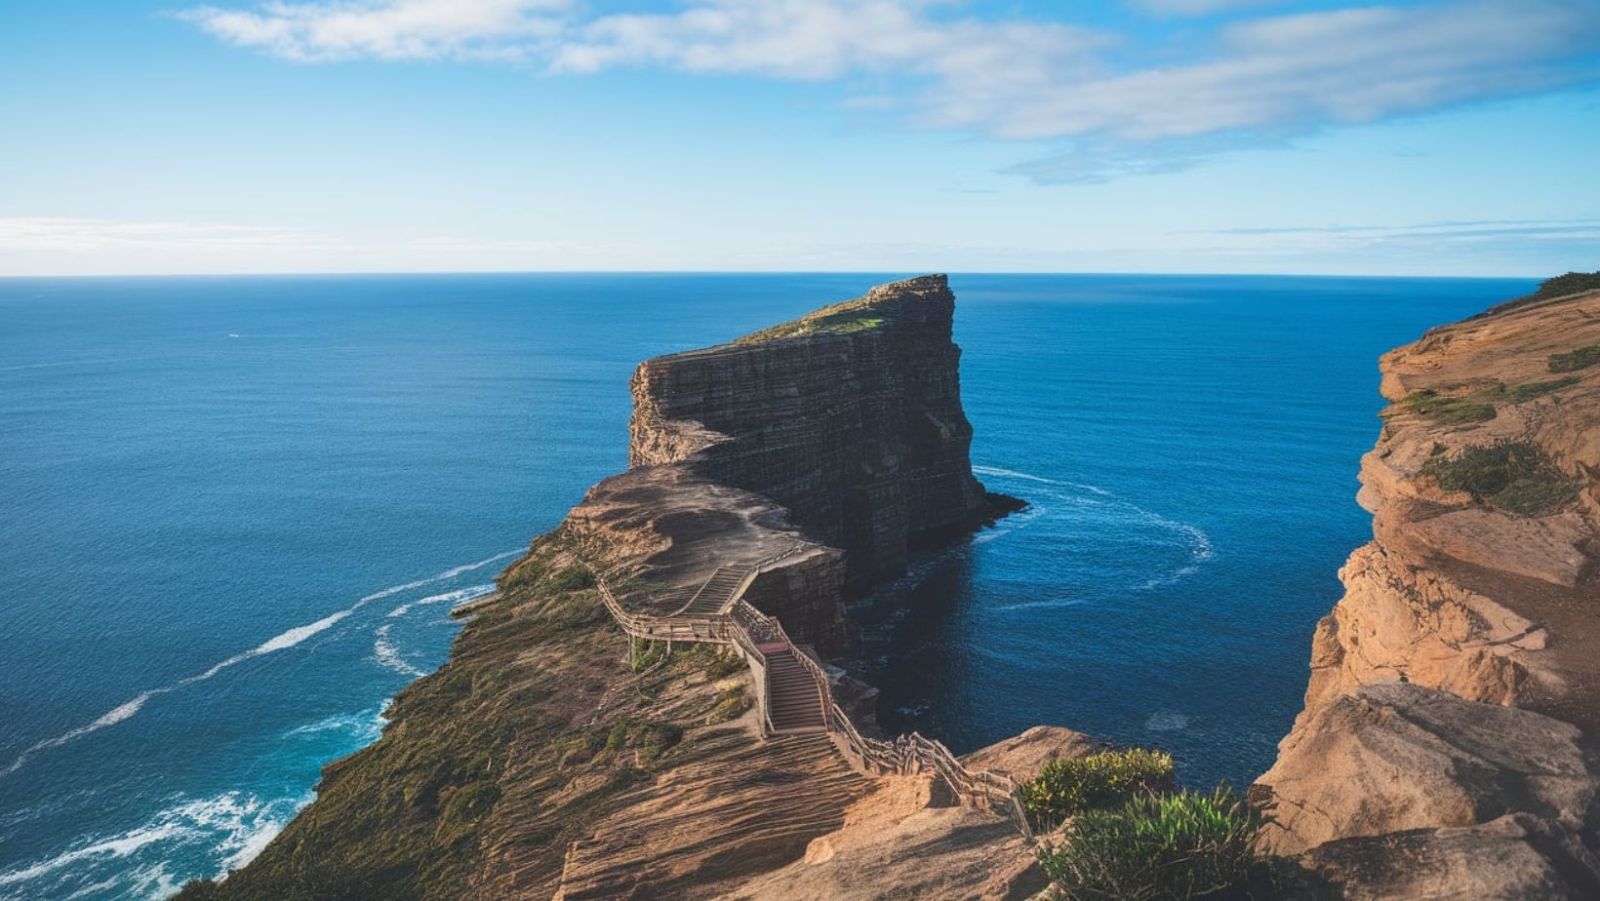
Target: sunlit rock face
<point>1446,746</point>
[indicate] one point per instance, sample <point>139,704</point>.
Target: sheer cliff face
<point>1454,699</point>
<point>851,418</point>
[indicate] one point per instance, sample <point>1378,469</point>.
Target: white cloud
<point>386,29</point>
<point>1197,7</point>
<point>1262,78</point>
<point>69,234</point>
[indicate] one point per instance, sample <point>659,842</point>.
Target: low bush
<point>1531,390</point>
<point>1513,476</point>
<point>1448,410</point>
<point>576,577</point>
<point>1067,787</point>
<point>1582,358</point>
<point>1183,845</point>
<point>733,703</point>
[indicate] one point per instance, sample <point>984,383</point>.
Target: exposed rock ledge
<point>535,763</point>
<point>1446,746</point>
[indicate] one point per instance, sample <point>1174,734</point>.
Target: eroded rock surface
<point>1445,749</point>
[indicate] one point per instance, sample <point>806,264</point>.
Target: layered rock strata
<point>1446,748</point>
<point>850,418</point>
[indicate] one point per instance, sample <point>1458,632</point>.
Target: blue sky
<point>1453,137</point>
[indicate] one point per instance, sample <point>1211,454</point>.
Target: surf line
<point>287,639</point>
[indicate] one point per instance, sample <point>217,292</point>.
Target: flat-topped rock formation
<point>1447,744</point>
<point>850,418</point>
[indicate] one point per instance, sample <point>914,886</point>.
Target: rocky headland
<point>1447,745</point>
<point>561,753</point>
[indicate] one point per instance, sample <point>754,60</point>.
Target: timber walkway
<point>793,692</point>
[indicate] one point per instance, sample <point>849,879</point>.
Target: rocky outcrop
<point>850,418</point>
<point>1446,745</point>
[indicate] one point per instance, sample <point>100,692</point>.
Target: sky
<point>1447,137</point>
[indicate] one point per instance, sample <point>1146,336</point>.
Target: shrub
<point>576,577</point>
<point>1513,476</point>
<point>1183,845</point>
<point>1067,787</point>
<point>1582,358</point>
<point>733,702</point>
<point>1531,390</point>
<point>724,665</point>
<point>1448,410</point>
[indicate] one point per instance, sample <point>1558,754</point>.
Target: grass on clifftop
<point>839,319</point>
<point>1512,476</point>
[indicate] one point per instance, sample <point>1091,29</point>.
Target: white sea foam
<point>1053,604</point>
<point>1197,541</point>
<point>283,640</point>
<point>1166,722</point>
<point>235,824</point>
<point>384,651</point>
<point>459,596</point>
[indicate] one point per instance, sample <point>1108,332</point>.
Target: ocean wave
<point>1054,604</point>
<point>459,596</point>
<point>384,651</point>
<point>235,824</point>
<point>279,642</point>
<point>1109,504</point>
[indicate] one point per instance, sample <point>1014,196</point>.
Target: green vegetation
<point>643,655</point>
<point>1067,787</point>
<point>1570,283</point>
<point>839,319</point>
<point>734,702</point>
<point>1531,390</point>
<point>1582,358</point>
<point>576,577</point>
<point>1560,286</point>
<point>1478,405</point>
<point>1182,845</point>
<point>721,664</point>
<point>1448,409</point>
<point>647,738</point>
<point>1512,476</point>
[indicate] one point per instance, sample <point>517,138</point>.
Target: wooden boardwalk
<point>793,692</point>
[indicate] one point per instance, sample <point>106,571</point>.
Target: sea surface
<point>238,511</point>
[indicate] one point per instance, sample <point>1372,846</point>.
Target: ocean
<point>237,513</point>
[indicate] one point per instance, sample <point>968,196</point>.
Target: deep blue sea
<point>237,511</point>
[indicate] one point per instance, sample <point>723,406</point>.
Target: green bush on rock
<point>1070,786</point>
<point>1182,845</point>
<point>1513,476</point>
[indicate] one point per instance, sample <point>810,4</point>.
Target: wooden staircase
<point>794,697</point>
<point>719,592</point>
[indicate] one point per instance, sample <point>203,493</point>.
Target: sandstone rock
<point>908,839</point>
<point>1393,757</point>
<point>1515,857</point>
<point>1444,748</point>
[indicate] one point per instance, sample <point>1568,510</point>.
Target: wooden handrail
<point>912,753</point>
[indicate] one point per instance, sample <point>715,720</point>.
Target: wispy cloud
<point>387,29</point>
<point>1126,107</point>
<point>69,234</point>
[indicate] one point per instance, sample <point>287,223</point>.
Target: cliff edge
<point>1447,745</point>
